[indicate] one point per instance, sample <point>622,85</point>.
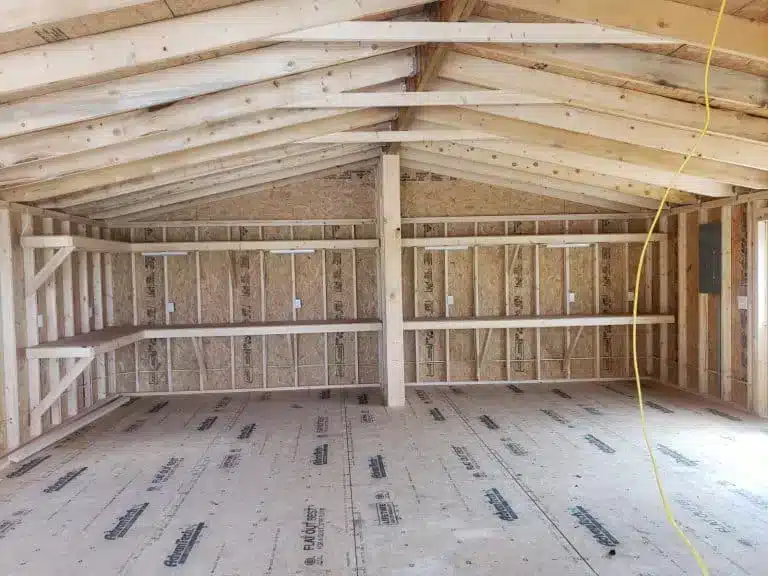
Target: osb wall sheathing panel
<point>122,290</point>
<point>613,285</point>
<point>712,330</point>
<point>551,294</point>
<point>182,292</point>
<point>650,273</point>
<point>582,286</point>
<point>150,284</point>
<point>351,281</point>
<point>692,310</point>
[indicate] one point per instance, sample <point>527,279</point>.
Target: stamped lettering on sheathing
<point>184,545</point>
<point>386,510</point>
<point>457,391</point>
<point>659,407</point>
<point>320,455</point>
<point>617,391</point>
<point>489,422</point>
<point>589,522</point>
<point>423,396</point>
<point>725,415</point>
<point>313,529</point>
<point>555,416</point>
<point>125,522</point>
<point>231,460</point>
<point>696,511</point>
<point>437,415</point>
<point>136,425</point>
<point>246,431</point>
<point>362,398</point>
<point>592,410</point>
<point>157,407</point>
<point>166,471</point>
<point>674,454</point>
<point>562,394</point>
<point>515,389</point>
<point>207,423</point>
<point>468,461</point>
<point>64,480</point>
<point>599,444</point>
<point>27,466</point>
<point>7,526</point>
<point>325,394</point>
<point>221,404</point>
<point>500,504</point>
<point>514,447</point>
<point>378,469</point>
<point>321,426</point>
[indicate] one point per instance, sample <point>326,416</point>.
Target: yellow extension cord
<point>667,509</point>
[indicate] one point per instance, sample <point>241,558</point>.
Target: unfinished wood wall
<point>475,282</point>
<point>76,298</point>
<point>716,329</point>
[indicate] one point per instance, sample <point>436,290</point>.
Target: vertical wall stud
<point>664,300</point>
<point>760,347</point>
<point>596,270</point>
<point>68,304</point>
<point>703,332</point>
<point>567,300</point>
<point>33,330</point>
<point>726,307</point>
<point>8,333</point>
<point>51,325</point>
<point>109,310</point>
<point>388,189</point>
<point>537,300</point>
<point>98,318</point>
<point>647,305</point>
<point>84,296</point>
<point>135,294</point>
<point>682,301</point>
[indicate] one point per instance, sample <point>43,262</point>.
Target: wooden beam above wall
<point>159,44</point>
<point>673,20</point>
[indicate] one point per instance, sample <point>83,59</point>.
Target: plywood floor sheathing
<point>471,481</point>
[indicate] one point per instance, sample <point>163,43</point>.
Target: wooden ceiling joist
<point>599,97</point>
<point>176,83</point>
<point>599,154</point>
<point>251,176</point>
<point>519,176</point>
<point>674,20</point>
<point>115,135</point>
<point>635,69</point>
<point>502,182</point>
<point>491,153</point>
<point>302,129</point>
<point>160,44</point>
<point>471,32</point>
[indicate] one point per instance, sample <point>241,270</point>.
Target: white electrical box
<point>39,320</point>
<point>571,297</point>
<point>297,303</point>
<point>743,303</point>
<point>170,307</point>
<point>449,300</point>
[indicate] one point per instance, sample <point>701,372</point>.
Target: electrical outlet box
<point>743,303</point>
<point>571,297</point>
<point>449,300</point>
<point>170,307</point>
<point>39,320</point>
<point>297,303</point>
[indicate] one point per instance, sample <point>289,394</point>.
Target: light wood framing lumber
<point>496,180</point>
<point>65,63</point>
<point>407,99</point>
<point>665,18</point>
<point>106,340</point>
<point>329,121</point>
<point>10,368</point>
<point>176,83</point>
<point>703,321</point>
<point>392,359</point>
<point>533,322</point>
<point>549,240</point>
<point>600,154</point>
<point>50,267</point>
<point>599,97</point>
<point>383,136</point>
<point>51,323</point>
<point>759,400</point>
<point>664,287</point>
<point>682,302</point>
<point>635,69</point>
<point>58,387</point>
<point>68,317</point>
<point>124,137</point>
<point>726,303</point>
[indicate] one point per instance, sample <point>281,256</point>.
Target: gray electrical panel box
<point>709,258</point>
